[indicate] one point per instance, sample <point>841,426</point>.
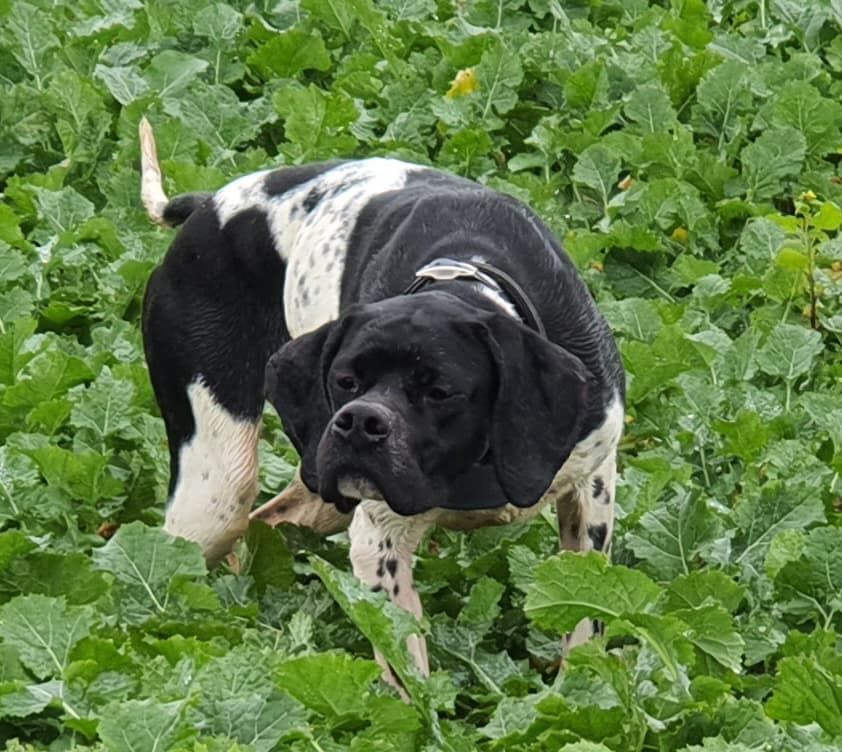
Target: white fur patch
<point>314,243</point>
<point>591,452</point>
<point>217,477</point>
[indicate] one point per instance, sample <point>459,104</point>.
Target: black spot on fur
<point>392,566</point>
<point>376,588</point>
<point>206,475</point>
<point>597,534</point>
<point>311,200</point>
<point>388,542</point>
<point>396,589</point>
<point>607,499</point>
<point>597,627</point>
<point>598,486</point>
<point>380,570</point>
<point>380,545</point>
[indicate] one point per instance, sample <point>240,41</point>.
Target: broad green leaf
<point>171,71</point>
<point>18,477</point>
<point>650,108</point>
<point>712,630</point>
<point>218,22</point>
<point>694,589</point>
<point>316,122</point>
<point>70,576</point>
<point>82,475</point>
<point>671,537</point>
<point>653,365</point>
<point>123,82</point>
<point>635,317</point>
<point>287,54</point>
<point>146,561</point>
<point>785,547</point>
<point>779,506</point>
<point>499,73</point>
<point>811,584</point>
<point>239,700</point>
<point>598,169</point>
<point>769,160</point>
<point>28,35</point>
<point>64,210</point>
<point>570,587</point>
<point>44,630</point>
<point>18,700</point>
<point>723,97</point>
<point>789,351</point>
<point>332,684</point>
<point>105,407</point>
<point>746,434</point>
<point>817,118</point>
<point>807,692</point>
<point>142,725</point>
<point>267,558</point>
<point>47,375</point>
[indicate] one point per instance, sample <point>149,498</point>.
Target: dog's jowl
<point>432,353</point>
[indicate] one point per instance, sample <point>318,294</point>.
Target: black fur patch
<point>311,200</point>
<point>598,486</point>
<point>392,566</point>
<point>597,534</point>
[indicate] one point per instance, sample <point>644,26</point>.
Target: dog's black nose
<point>361,423</point>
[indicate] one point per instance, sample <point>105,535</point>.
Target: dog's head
<point>399,399</point>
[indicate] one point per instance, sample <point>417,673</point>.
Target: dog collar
<point>444,269</point>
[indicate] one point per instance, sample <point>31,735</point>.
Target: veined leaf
<point>570,587</point>
<point>807,692</point>
<point>146,561</point>
<point>44,630</point>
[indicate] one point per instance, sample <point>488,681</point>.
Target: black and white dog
<point>429,347</point>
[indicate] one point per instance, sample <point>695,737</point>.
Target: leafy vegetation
<point>687,152</point>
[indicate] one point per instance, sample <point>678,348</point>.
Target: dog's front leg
<point>382,547</point>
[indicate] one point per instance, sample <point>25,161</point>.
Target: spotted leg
<point>585,523</point>
<point>382,547</point>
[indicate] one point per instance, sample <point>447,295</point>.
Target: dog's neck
<point>491,283</point>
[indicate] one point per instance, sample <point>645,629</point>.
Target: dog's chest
<point>311,225</point>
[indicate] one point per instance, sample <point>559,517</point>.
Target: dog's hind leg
<point>585,523</point>
<point>298,505</point>
<point>209,387</point>
<point>383,544</point>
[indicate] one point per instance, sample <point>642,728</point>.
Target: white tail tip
<point>151,182</point>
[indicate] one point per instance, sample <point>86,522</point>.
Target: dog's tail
<point>160,209</point>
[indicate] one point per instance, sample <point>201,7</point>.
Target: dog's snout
<point>362,424</point>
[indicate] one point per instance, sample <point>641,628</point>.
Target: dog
<point>431,350</point>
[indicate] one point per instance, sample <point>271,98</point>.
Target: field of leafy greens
<point>687,153</point>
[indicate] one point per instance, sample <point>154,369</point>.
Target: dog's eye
<point>437,394</point>
<point>348,383</point>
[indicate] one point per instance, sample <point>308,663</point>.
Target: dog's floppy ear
<point>295,385</point>
<point>541,402</point>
